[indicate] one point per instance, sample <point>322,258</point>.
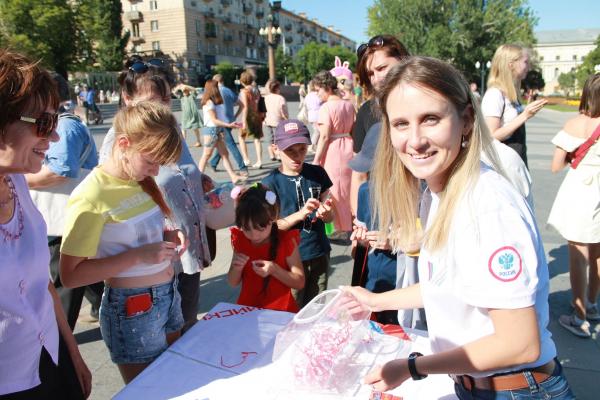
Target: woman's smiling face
<point>426,131</point>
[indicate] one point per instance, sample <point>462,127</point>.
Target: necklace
<point>8,235</point>
<point>11,193</point>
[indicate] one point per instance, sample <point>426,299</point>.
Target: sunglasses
<point>45,124</point>
<point>375,42</point>
<point>140,67</point>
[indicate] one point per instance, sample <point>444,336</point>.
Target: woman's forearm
<point>507,130</point>
<point>77,271</point>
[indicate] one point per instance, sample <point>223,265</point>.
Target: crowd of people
<point>431,188</point>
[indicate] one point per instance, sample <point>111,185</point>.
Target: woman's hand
<point>176,236</point>
<point>83,374</point>
<point>363,296</point>
<point>390,376</point>
<point>156,253</point>
<point>532,108</point>
<point>263,268</point>
<point>359,232</point>
<point>238,261</point>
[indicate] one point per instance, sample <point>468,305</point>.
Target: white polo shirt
<point>494,258</point>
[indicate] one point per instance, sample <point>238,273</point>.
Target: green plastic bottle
<point>329,228</point>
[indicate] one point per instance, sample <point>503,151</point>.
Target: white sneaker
<point>575,325</point>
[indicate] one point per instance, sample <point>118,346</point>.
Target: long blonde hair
<point>501,73</point>
<point>395,191</point>
<point>151,129</point>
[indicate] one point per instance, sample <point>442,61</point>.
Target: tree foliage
<point>589,63</point>
<point>567,82</point>
<point>459,31</point>
<point>102,43</point>
<point>42,29</point>
<point>315,57</point>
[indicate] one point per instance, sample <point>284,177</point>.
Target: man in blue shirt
<point>230,100</point>
<point>90,105</point>
<point>75,150</point>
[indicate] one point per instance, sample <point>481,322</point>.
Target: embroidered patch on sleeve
<point>505,264</point>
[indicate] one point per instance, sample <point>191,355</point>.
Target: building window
<point>137,48</point>
<point>574,57</point>
<point>556,72</point>
<point>156,45</point>
<point>154,26</point>
<point>199,46</point>
<point>135,29</point>
<point>193,3</point>
<point>198,26</point>
<point>557,58</point>
<point>542,58</point>
<point>153,5</point>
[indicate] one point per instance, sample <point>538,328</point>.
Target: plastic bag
<point>219,208</point>
<point>326,348</point>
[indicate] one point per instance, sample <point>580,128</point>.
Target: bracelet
<point>412,368</point>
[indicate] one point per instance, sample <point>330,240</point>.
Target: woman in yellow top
<point>115,231</point>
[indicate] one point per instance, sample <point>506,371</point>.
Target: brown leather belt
<point>512,381</point>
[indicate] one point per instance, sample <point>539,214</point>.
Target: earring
<point>465,142</point>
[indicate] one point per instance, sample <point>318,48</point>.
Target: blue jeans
<point>233,150</point>
<point>140,338</point>
<point>555,387</point>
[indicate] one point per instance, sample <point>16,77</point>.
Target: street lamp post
<point>272,33</point>
<point>482,67</point>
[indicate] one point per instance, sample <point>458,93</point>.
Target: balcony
<point>247,9</point>
<point>209,14</point>
<point>225,3</point>
<point>287,27</point>
<point>207,1</point>
<point>300,29</point>
<point>138,39</point>
<point>133,16</point>
<point>249,26</point>
<point>260,14</point>
<point>227,19</point>
<point>228,37</point>
<point>289,39</point>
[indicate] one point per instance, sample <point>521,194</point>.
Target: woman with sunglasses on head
<point>374,60</point>
<point>182,184</point>
<point>214,118</point>
<point>482,267</point>
<point>115,231</point>
<point>39,357</point>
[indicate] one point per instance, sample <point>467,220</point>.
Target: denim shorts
<point>214,132</point>
<point>555,387</point>
<point>143,337</point>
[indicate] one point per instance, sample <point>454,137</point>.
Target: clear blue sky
<point>350,16</point>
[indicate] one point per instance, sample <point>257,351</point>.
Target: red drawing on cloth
<point>244,354</point>
<point>231,312</point>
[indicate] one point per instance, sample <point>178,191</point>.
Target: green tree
<point>592,59</point>
<point>284,65</point>
<point>229,71</point>
<point>315,57</point>
<point>42,29</point>
<point>459,31</point>
<point>567,82</point>
<point>102,43</point>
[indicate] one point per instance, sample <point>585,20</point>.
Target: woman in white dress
<point>576,210</point>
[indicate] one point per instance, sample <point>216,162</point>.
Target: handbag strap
<point>582,150</point>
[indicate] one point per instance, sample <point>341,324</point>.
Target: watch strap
<point>412,368</point>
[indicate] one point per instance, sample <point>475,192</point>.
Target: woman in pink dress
<point>334,148</point>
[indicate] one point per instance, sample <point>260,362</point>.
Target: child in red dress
<point>266,260</point>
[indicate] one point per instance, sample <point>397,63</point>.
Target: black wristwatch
<point>412,368</point>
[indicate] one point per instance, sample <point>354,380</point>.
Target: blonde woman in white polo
<point>483,275</point>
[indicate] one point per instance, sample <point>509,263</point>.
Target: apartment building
<point>198,34</point>
<point>298,30</point>
<point>562,51</point>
